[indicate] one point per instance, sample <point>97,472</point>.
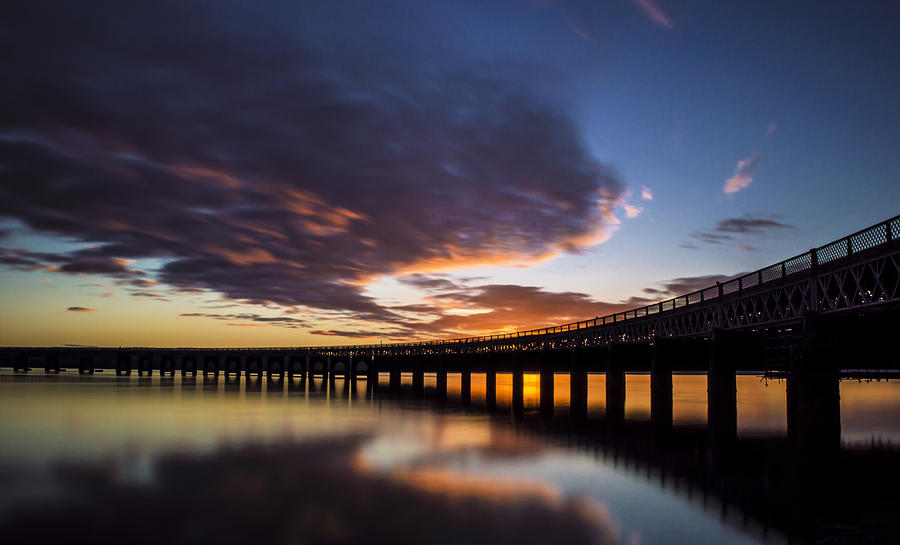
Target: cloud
<point>770,130</point>
<point>47,282</point>
<point>686,284</point>
<point>710,238</point>
<point>80,309</point>
<point>746,225</point>
<point>743,174</point>
<point>242,318</point>
<point>646,193</point>
<point>274,170</point>
<point>749,224</point>
<point>654,13</point>
<point>632,211</point>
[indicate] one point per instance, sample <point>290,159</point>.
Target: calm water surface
<point>318,463</point>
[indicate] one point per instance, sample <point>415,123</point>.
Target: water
<point>131,459</point>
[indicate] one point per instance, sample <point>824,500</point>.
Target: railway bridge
<point>831,308</point>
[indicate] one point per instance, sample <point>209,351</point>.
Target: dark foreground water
<point>102,459</point>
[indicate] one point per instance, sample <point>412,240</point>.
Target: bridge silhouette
<point>835,300</point>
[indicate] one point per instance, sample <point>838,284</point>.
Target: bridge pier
<point>661,392</point>
<point>578,393</point>
<point>814,404</point>
<point>211,366</point>
<point>51,365</point>
<point>145,365</point>
<point>394,380</point>
<point>296,367</point>
<point>167,365</point>
<point>123,365</point>
<point>86,366</point>
<point>372,376</point>
<point>440,384</point>
<point>465,387</point>
<point>547,392</point>
<point>275,368</point>
<point>615,395</point>
<point>518,391</point>
<point>722,388</point>
<point>418,381</point>
<point>253,367</point>
<point>20,363</point>
<point>189,365</point>
<point>490,389</point>
<point>232,367</point>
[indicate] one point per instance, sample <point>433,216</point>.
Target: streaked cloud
<point>686,284</point>
<point>652,11</point>
<point>80,309</point>
<point>751,225</point>
<point>743,174</point>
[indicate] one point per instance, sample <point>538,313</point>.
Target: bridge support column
<point>465,387</point>
<point>547,393</point>
<point>123,365</point>
<point>275,368</point>
<point>722,392</point>
<point>578,393</point>
<point>211,365</point>
<point>86,366</point>
<point>661,395</point>
<point>20,363</point>
<point>394,380</point>
<point>232,367</point>
<point>441,384</point>
<point>297,367</point>
<point>518,391</point>
<point>490,389</point>
<point>329,371</point>
<point>167,365</point>
<point>51,365</point>
<point>721,384</point>
<point>418,381</point>
<point>615,395</point>
<point>189,365</point>
<point>145,365</point>
<point>372,377</point>
<point>253,367</point>
<point>814,410</point>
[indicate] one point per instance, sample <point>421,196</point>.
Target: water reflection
<point>331,461</point>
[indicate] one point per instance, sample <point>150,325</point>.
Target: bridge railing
<point>879,234</point>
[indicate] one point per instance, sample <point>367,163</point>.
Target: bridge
<point>838,300</point>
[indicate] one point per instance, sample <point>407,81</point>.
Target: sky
<point>329,173</point>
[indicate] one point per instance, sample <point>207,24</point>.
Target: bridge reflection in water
<point>759,449</point>
<point>779,459</point>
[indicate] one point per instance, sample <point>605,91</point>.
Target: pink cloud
<point>646,193</point>
<point>632,211</point>
<point>653,12</point>
<point>743,174</point>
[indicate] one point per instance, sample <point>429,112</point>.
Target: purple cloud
<point>270,172</point>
